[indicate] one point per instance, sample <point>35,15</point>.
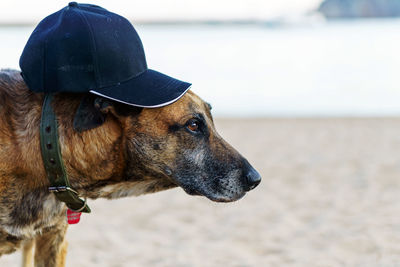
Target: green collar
<point>52,160</point>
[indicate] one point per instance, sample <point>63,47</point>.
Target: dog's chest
<point>31,216</point>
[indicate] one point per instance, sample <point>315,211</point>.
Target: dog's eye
<point>193,125</point>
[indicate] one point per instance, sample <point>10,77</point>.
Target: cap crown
<point>80,48</point>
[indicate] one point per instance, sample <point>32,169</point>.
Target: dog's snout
<point>253,178</point>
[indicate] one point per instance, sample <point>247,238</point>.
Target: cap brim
<point>150,89</point>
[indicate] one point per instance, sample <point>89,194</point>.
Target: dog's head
<point>175,145</point>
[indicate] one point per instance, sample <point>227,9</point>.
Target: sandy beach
<point>330,196</point>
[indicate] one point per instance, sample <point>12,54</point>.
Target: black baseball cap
<point>85,48</point>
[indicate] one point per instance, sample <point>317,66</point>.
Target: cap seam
<point>94,48</point>
<point>44,83</point>
<point>124,81</point>
<point>44,51</point>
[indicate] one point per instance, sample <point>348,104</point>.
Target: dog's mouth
<point>217,192</point>
<point>224,199</point>
<point>216,197</point>
<point>192,192</point>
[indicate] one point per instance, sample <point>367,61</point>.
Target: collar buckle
<point>56,189</point>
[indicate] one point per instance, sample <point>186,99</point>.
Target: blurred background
<point>307,90</point>
<point>257,58</point>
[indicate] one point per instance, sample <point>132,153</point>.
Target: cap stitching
<point>123,81</point>
<point>44,52</point>
<point>94,49</point>
<point>93,91</point>
<point>127,80</point>
<point>143,106</point>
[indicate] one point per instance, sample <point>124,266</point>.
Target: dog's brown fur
<point>131,153</point>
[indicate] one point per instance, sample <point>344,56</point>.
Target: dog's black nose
<point>253,178</point>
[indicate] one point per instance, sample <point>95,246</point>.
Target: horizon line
<point>173,22</point>
<point>212,22</point>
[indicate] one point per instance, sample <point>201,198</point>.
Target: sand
<point>330,196</point>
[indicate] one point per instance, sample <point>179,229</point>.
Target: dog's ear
<point>119,110</point>
<point>93,110</point>
<point>88,116</point>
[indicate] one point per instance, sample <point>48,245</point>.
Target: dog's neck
<point>95,160</point>
<point>90,156</point>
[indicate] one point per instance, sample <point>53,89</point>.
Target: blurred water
<point>348,68</point>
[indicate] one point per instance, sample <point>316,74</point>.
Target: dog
<point>113,150</point>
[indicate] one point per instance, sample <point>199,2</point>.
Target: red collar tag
<point>73,217</point>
